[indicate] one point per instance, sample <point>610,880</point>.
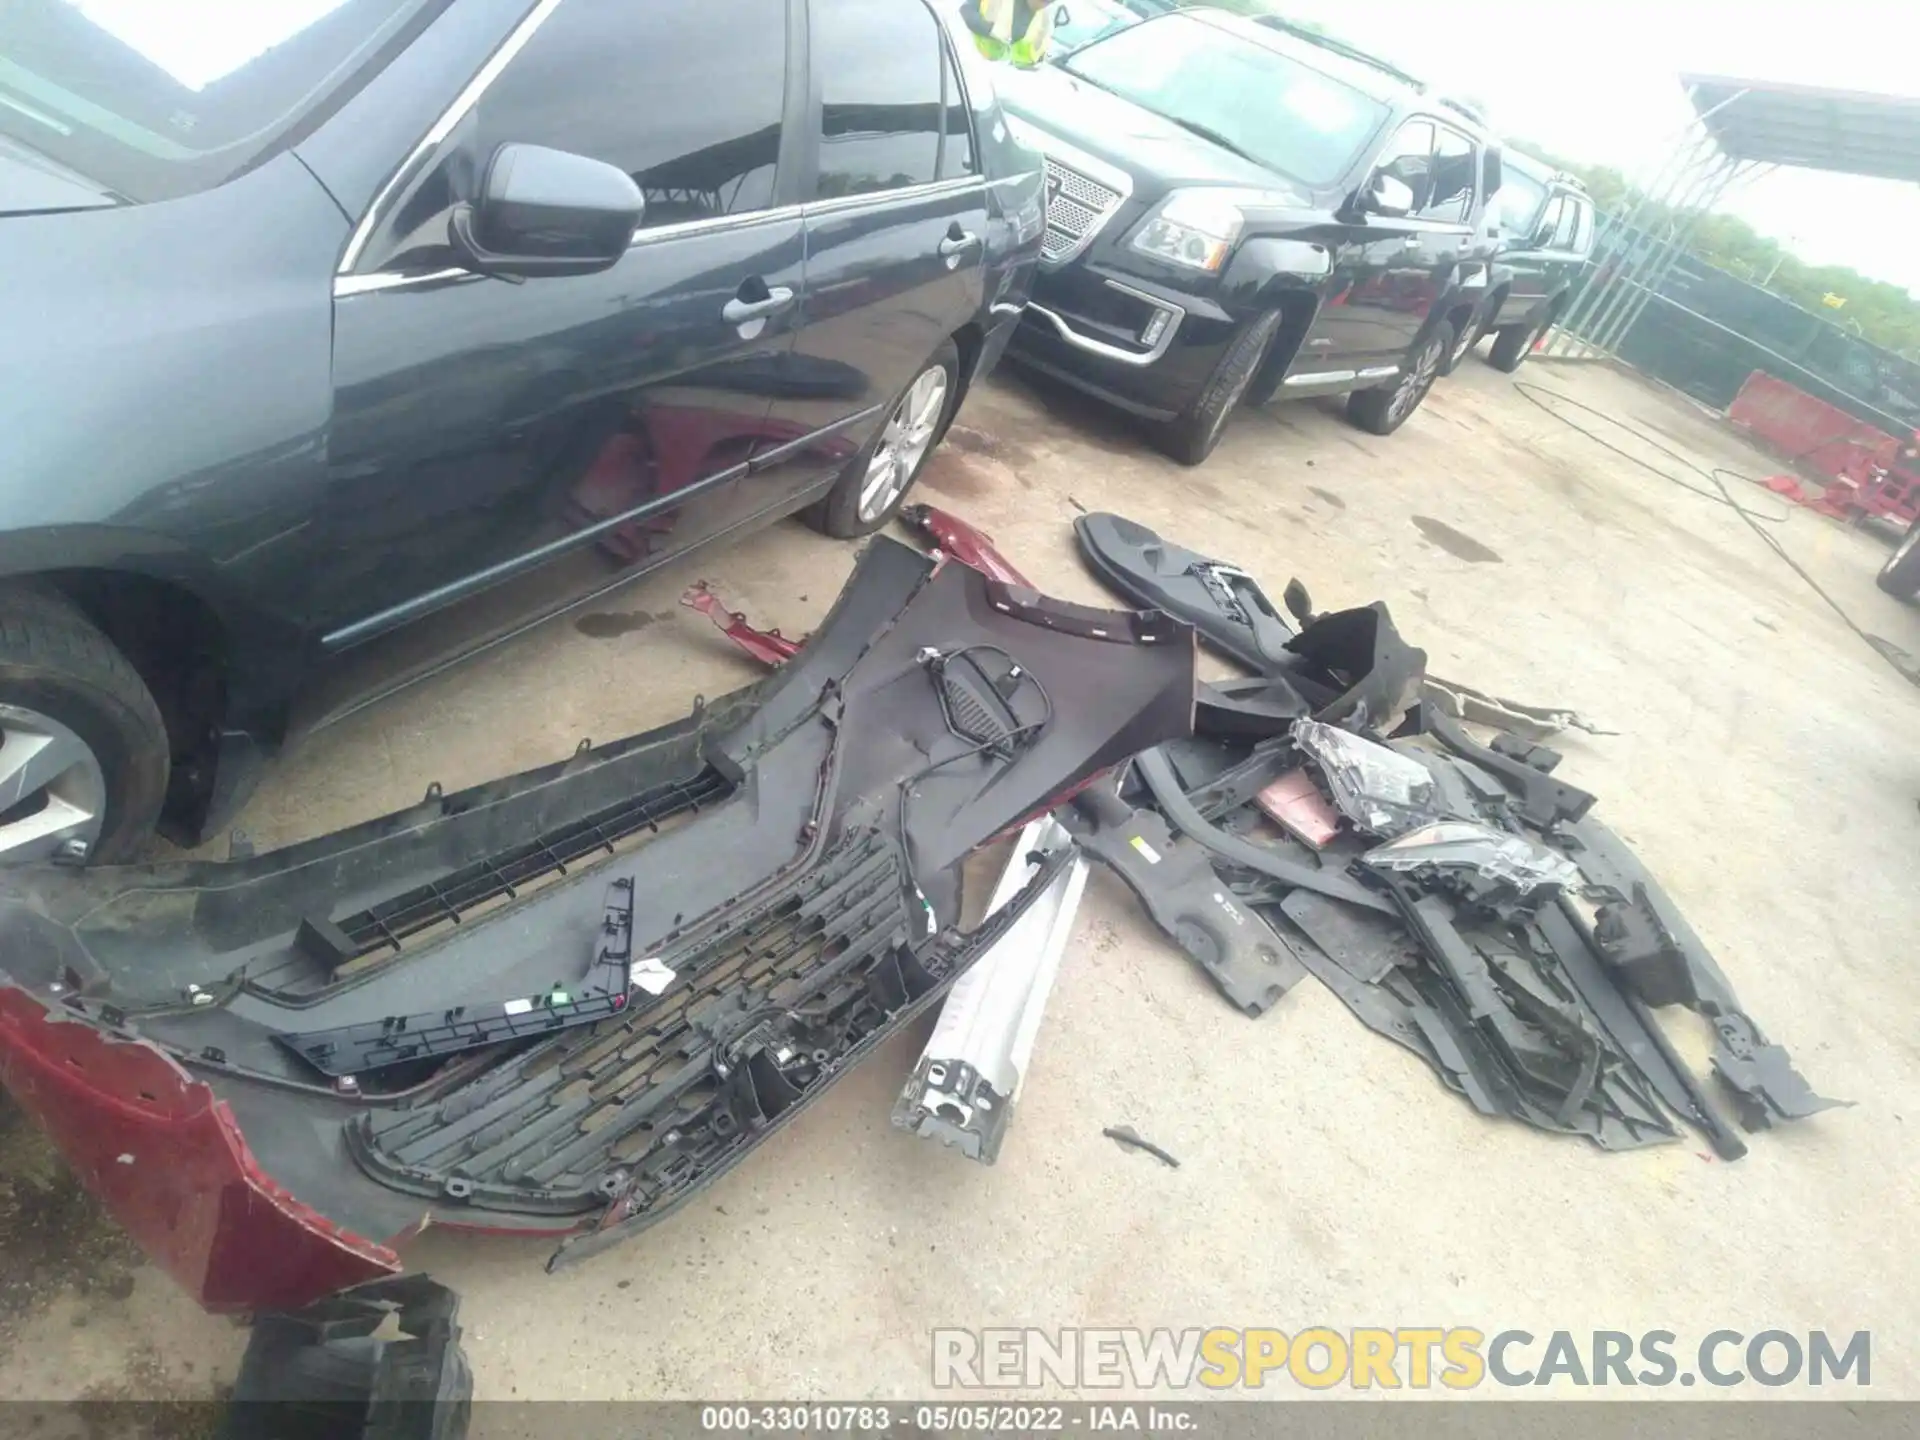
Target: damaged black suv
<point>1238,211</point>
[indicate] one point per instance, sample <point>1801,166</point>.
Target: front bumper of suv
<point>1136,343</point>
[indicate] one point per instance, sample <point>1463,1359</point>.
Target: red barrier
<point>1871,474</point>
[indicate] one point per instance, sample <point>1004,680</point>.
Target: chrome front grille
<point>1077,206</point>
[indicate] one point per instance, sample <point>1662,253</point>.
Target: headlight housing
<point>1194,229</point>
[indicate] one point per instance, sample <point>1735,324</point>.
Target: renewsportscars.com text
<point>1412,1357</point>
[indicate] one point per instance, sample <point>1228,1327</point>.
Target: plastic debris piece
<point>1295,803</point>
<point>1462,845</point>
<point>1380,790</point>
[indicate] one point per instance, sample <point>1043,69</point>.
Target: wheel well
<point>1296,318</point>
<point>1459,317</point>
<point>176,643</point>
<point>967,340</point>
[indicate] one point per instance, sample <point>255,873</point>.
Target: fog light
<point>1156,327</point>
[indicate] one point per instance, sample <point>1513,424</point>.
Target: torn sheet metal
<point>795,858</point>
<point>968,1079</point>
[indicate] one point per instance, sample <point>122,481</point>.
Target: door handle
<point>957,241</point>
<point>737,311</point>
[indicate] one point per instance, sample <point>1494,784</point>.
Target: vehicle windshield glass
<point>1078,23</point>
<point>153,100</point>
<point>1288,116</point>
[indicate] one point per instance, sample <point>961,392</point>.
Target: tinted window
<point>1408,158</point>
<point>879,64</point>
<point>1454,164</point>
<point>1518,202</point>
<point>1548,225</point>
<point>1583,227</point>
<point>152,104</point>
<point>685,98</point>
<point>1569,223</point>
<point>956,159</point>
<point>1254,100</point>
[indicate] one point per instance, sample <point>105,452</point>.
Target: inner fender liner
<point>1175,880</point>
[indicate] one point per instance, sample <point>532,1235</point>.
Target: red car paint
<point>954,536</point>
<point>769,647</point>
<point>207,1213</point>
<point>967,544</point>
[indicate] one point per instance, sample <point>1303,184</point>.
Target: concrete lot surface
<point>1767,767</point>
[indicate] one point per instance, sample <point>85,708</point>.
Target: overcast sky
<point>1597,81</point>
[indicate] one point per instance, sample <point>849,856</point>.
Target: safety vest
<point>994,24</point>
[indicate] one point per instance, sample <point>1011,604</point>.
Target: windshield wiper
<point>1207,132</point>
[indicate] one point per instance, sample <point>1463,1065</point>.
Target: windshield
<point>1077,23</point>
<point>1285,115</point>
<point>153,100</point>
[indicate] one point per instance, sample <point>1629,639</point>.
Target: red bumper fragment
<point>168,1160</point>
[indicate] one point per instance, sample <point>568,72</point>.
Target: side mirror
<point>546,212</point>
<point>1387,195</point>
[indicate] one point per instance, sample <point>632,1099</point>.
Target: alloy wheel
<point>1417,381</point>
<point>53,793</point>
<point>904,442</point>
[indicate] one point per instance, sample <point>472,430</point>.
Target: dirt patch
<point>55,1238</point>
<point>1327,495</point>
<point>1456,543</point>
<point>149,1402</point>
<point>948,473</point>
<point>606,624</point>
<point>969,441</point>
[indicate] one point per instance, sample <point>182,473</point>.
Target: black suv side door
<point>1391,270</point>
<point>542,441</point>
<point>896,223</point>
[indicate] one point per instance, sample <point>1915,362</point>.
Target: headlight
<point>1193,228</point>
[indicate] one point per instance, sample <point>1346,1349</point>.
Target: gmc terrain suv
<point>1234,211</point>
<point>1544,224</point>
<point>347,340</point>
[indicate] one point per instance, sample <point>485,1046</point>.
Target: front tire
<point>876,480</point>
<point>1470,336</point>
<point>1900,576</point>
<point>83,750</point>
<point>1191,437</point>
<point>1512,346</point>
<point>1383,411</point>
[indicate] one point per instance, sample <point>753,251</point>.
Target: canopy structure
<point>1740,129</point>
<point>1844,131</point>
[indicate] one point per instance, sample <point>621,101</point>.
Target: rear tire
<point>1512,346</point>
<point>1191,437</point>
<point>1381,412</point>
<point>877,480</point>
<point>84,756</point>
<point>1900,576</point>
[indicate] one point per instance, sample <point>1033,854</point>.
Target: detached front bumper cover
<point>390,1022</point>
